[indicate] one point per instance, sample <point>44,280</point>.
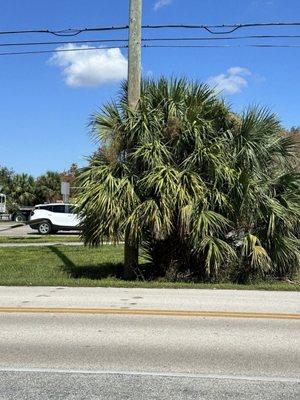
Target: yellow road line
<point>146,312</point>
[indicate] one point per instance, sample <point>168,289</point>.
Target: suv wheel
<point>44,228</point>
<point>19,218</point>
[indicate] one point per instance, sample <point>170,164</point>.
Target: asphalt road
<point>25,230</point>
<point>45,386</point>
<point>51,355</point>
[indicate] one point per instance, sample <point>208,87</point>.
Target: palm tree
<point>6,177</point>
<point>23,189</point>
<point>48,187</point>
<point>204,191</point>
<point>266,197</point>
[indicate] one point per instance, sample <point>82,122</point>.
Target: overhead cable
<point>149,46</point>
<point>213,29</point>
<point>156,39</point>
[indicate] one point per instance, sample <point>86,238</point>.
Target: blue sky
<point>46,105</point>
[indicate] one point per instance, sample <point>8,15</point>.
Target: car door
<point>59,215</point>
<point>72,217</point>
<point>44,212</point>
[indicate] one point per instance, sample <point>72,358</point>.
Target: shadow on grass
<point>22,238</point>
<point>101,271</point>
<point>61,233</point>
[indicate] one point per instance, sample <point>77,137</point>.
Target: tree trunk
<point>131,258</point>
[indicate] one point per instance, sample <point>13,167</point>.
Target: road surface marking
<point>153,374</point>
<point>147,312</point>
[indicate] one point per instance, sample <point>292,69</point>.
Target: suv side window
<point>59,208</point>
<point>46,208</point>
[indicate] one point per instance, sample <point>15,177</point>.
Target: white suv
<point>50,218</point>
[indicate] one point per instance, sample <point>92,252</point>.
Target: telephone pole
<point>134,54</point>
<point>131,250</point>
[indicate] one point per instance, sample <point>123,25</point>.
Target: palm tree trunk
<point>131,258</point>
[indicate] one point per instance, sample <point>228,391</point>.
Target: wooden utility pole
<point>134,54</point>
<point>131,250</point>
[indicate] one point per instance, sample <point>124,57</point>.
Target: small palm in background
<point>48,187</point>
<point>22,189</point>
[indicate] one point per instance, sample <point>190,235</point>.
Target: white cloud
<point>233,81</point>
<point>90,67</point>
<point>161,3</point>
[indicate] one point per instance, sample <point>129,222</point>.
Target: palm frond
<point>253,252</point>
<point>216,251</point>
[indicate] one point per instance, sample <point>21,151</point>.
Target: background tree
<point>48,187</point>
<point>6,177</point>
<point>22,191</point>
<point>70,176</point>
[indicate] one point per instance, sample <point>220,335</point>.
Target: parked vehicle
<point>55,217</point>
<point>22,214</point>
<point>3,215</point>
<point>2,203</point>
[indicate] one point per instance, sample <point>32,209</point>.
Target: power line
<point>203,38</point>
<point>60,42</point>
<point>230,28</point>
<point>150,46</point>
<point>64,32</point>
<point>12,53</point>
<point>213,29</point>
<point>159,39</point>
<point>223,46</point>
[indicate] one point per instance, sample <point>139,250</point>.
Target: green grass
<point>79,266</point>
<point>39,239</point>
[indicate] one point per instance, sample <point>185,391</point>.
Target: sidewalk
<point>152,299</point>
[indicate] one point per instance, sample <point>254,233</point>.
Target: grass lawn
<point>39,239</point>
<point>78,266</point>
